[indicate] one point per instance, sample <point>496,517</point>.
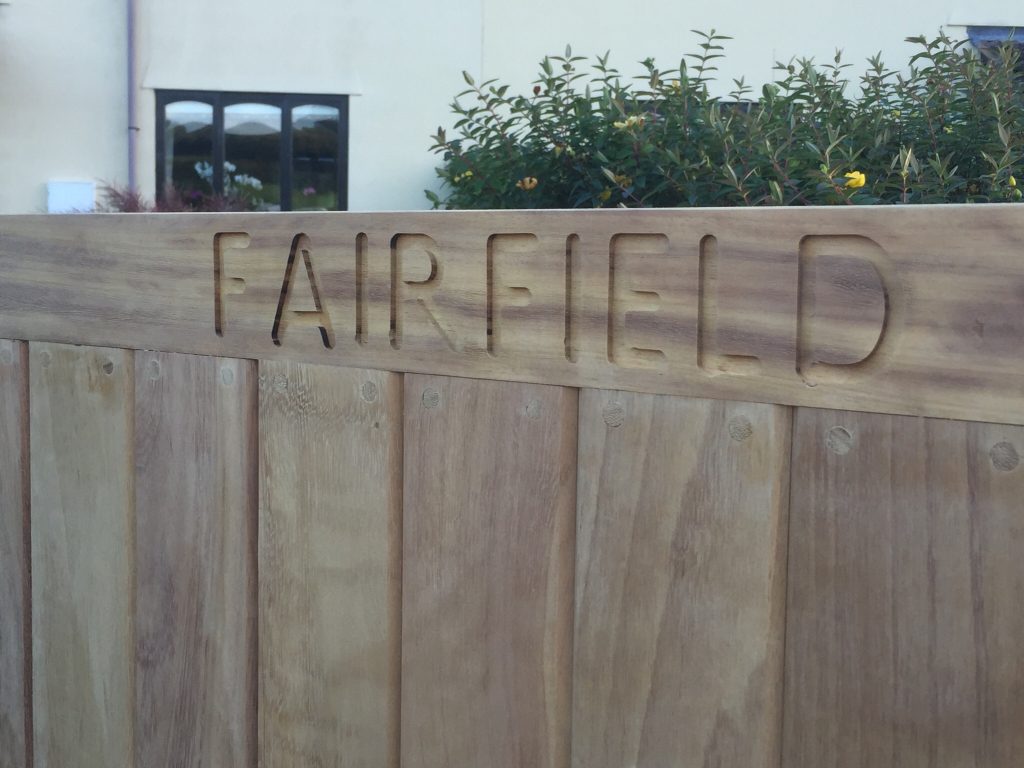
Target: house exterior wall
<point>63,110</point>
<point>63,67</point>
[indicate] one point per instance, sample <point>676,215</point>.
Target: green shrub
<point>948,129</point>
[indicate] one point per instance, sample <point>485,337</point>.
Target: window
<point>989,41</point>
<point>281,152</point>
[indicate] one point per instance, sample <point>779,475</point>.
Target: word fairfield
<point>820,307</point>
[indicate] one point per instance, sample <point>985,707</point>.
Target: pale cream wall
<point>63,112</point>
<point>62,66</point>
<point>518,34</point>
<point>401,60</point>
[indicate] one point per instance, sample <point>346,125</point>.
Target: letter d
<point>850,309</point>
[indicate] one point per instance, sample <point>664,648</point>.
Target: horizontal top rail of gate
<point>897,310</point>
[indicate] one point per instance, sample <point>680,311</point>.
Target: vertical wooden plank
<point>15,690</point>
<point>195,511</point>
<point>905,616</point>
<point>330,568</point>
<point>82,543</point>
<point>487,587</point>
<point>680,582</point>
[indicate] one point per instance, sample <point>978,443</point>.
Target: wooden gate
<point>721,488</point>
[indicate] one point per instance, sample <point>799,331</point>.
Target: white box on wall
<point>70,196</point>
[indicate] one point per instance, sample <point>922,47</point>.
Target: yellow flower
<point>558,150</point>
<point>947,128</point>
<point>1012,181</point>
<point>629,122</point>
<point>605,194</point>
<point>527,183</point>
<point>855,179</point>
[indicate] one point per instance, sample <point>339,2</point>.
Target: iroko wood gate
<point>730,489</point>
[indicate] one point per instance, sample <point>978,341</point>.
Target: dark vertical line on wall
<point>286,154</point>
<point>611,302</point>
<point>343,154</point>
<point>161,145</point>
<point>805,298</point>
<point>26,512</point>
<point>218,145</point>
<point>707,271</point>
<point>489,305</point>
<point>361,242</point>
<point>395,330</point>
<point>218,301</point>
<point>571,245</point>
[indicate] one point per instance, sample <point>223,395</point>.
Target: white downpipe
<point>133,127</point>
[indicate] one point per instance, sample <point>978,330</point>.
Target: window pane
<point>252,154</point>
<point>314,158</point>
<point>188,148</point>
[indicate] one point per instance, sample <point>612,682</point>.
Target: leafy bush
<point>948,129</point>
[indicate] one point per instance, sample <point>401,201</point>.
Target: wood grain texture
<point>15,587</point>
<point>905,580</point>
<point>911,310</point>
<point>195,510</point>
<point>330,567</point>
<point>82,544</point>
<point>487,573</point>
<point>680,582</point>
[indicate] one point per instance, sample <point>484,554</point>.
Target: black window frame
<point>286,102</point>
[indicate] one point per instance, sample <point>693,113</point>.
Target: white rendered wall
<point>400,59</point>
<point>63,111</point>
<point>517,35</point>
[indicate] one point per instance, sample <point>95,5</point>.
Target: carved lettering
<point>849,305</point>
<point>526,296</point>
<point>572,244</point>
<point>317,317</point>
<point>711,354</point>
<point>224,284</point>
<point>834,307</point>
<point>422,314</point>
<point>646,302</point>
<point>361,330</point>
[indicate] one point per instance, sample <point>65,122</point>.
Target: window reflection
<point>252,143</point>
<point>314,157</point>
<point>252,151</point>
<point>188,142</point>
